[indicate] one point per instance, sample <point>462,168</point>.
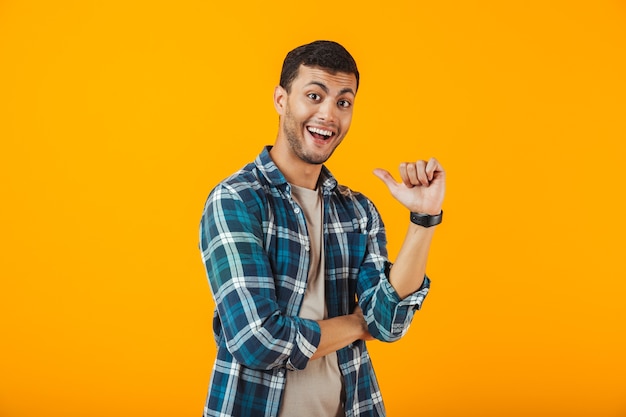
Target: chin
<point>313,160</point>
<point>317,159</point>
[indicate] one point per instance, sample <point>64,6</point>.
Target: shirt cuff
<point>392,315</point>
<point>307,340</point>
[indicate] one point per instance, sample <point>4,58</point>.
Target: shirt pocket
<point>346,252</point>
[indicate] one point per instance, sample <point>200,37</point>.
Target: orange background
<point>118,117</point>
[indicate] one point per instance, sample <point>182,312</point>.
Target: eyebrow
<point>323,87</point>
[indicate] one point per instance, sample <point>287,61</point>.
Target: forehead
<point>341,81</point>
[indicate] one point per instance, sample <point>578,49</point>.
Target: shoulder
<point>342,194</point>
<point>246,185</point>
<point>353,211</point>
<point>349,196</point>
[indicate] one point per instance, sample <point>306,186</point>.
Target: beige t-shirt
<point>318,389</point>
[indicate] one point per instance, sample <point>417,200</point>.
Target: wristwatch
<point>426,220</point>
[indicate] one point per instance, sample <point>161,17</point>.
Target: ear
<point>280,99</point>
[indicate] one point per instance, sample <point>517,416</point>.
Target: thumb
<point>386,177</point>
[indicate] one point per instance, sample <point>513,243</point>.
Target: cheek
<point>346,120</point>
<point>298,112</point>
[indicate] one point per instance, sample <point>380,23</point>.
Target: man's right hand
<point>366,334</point>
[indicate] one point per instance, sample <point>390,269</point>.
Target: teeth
<point>320,131</point>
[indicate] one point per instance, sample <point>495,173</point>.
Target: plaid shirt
<point>255,247</point>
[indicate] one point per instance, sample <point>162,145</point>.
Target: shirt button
<point>301,291</point>
<point>281,373</point>
<point>307,248</point>
<point>296,210</point>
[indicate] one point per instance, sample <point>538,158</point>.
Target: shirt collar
<point>265,164</point>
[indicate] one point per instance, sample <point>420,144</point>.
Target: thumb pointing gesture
<point>387,178</point>
<point>422,188</point>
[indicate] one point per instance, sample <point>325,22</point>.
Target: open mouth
<point>321,134</point>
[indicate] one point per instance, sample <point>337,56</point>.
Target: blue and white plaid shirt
<point>255,247</point>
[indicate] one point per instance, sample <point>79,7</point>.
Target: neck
<point>295,170</point>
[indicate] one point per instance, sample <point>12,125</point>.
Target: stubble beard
<point>294,135</point>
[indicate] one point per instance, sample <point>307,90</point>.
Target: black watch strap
<point>426,220</point>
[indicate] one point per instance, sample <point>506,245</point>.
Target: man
<point>298,264</point>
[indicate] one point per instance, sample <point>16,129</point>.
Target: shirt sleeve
<point>253,327</point>
<point>387,315</point>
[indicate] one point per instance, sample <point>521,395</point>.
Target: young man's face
<point>316,114</point>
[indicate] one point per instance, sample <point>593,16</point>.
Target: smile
<point>318,133</point>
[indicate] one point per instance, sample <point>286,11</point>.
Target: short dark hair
<point>327,55</point>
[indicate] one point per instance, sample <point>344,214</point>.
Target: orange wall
<point>118,117</point>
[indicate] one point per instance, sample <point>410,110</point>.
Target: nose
<point>326,111</point>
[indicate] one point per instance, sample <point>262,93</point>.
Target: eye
<point>344,104</point>
<point>314,96</point>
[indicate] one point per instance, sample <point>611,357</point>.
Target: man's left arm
<point>421,190</point>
